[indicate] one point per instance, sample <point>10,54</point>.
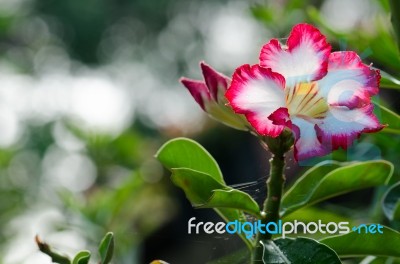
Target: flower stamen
<point>304,100</point>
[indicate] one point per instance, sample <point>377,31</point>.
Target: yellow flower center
<point>303,100</point>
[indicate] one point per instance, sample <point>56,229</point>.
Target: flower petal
<point>281,117</point>
<point>216,82</point>
<point>343,125</point>
<point>198,90</point>
<point>257,92</point>
<point>307,144</point>
<point>349,82</point>
<point>304,60</point>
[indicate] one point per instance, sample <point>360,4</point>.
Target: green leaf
<point>388,117</point>
<point>391,202</point>
<point>106,248</point>
<point>233,199</point>
<point>186,153</point>
<point>199,188</point>
<point>316,185</point>
<point>82,257</point>
<point>310,178</point>
<point>196,172</point>
<point>299,250</point>
<point>205,192</point>
<point>388,81</point>
<point>362,244</point>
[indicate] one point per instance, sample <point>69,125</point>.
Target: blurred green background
<point>89,91</point>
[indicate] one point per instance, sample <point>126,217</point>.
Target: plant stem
<point>275,185</point>
<point>275,188</point>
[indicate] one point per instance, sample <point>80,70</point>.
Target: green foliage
<point>186,153</point>
<point>82,257</point>
<point>323,181</point>
<point>388,81</point>
<point>204,192</point>
<point>197,173</point>
<point>391,203</point>
<point>197,186</point>
<point>320,183</point>
<point>299,250</point>
<point>232,198</point>
<point>363,244</point>
<point>106,248</point>
<point>388,117</point>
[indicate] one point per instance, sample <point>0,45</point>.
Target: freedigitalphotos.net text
<point>280,228</point>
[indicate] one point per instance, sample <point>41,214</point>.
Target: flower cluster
<point>323,97</point>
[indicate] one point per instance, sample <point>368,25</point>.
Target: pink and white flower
<point>210,95</point>
<point>323,97</point>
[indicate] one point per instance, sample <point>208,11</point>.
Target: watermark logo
<point>250,229</point>
<point>368,229</point>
